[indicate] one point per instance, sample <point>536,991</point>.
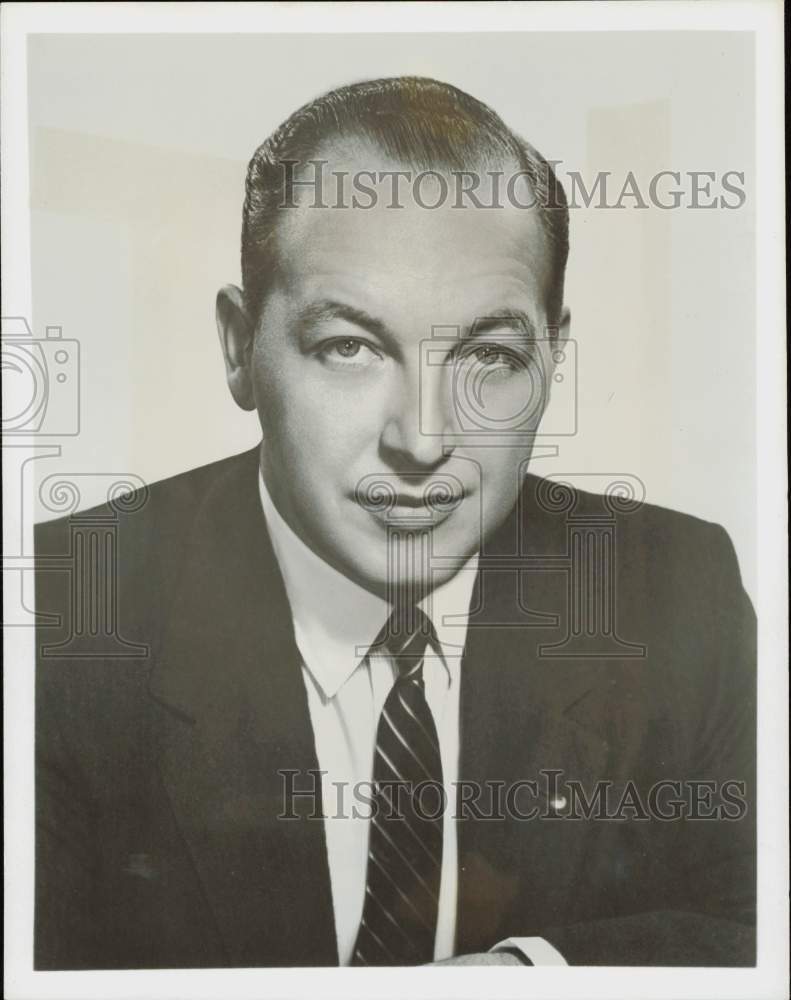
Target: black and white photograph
<point>395,521</point>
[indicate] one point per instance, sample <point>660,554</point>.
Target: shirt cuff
<point>535,949</point>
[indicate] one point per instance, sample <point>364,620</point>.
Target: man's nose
<point>418,431</point>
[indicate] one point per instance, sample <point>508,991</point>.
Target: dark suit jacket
<point>158,843</point>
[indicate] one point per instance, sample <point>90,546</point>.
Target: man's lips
<point>432,504</point>
<point>425,500</point>
<point>429,503</point>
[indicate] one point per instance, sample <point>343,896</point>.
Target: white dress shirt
<point>335,622</point>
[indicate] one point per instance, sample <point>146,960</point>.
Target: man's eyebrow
<point>329,309</point>
<point>325,310</point>
<point>508,318</point>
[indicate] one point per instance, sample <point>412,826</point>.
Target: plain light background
<point>138,149</point>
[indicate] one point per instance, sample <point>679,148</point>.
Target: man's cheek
<point>500,484</point>
<point>273,401</point>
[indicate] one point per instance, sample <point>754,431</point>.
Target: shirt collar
<point>334,617</point>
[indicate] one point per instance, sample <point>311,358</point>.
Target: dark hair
<point>414,120</point>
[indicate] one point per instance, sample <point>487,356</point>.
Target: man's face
<point>394,366</point>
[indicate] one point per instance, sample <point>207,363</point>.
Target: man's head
<point>403,256</point>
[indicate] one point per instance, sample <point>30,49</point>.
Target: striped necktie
<point>399,919</point>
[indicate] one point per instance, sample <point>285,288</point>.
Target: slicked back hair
<point>413,120</point>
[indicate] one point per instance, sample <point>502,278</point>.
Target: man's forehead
<point>355,155</point>
<point>356,202</point>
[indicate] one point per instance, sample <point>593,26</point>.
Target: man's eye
<point>348,352</point>
<point>348,348</point>
<point>494,356</point>
<point>489,355</point>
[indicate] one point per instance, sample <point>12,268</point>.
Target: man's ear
<point>560,337</point>
<point>557,341</point>
<point>564,326</point>
<point>237,334</point>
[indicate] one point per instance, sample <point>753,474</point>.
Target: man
<point>380,602</point>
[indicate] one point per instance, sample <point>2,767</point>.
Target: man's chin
<point>403,588</point>
<point>409,564</point>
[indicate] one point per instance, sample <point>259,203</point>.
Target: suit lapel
<point>236,714</point>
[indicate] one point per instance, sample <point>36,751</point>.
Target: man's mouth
<point>440,503</point>
<point>430,505</point>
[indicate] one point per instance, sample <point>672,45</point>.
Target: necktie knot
<point>405,636</point>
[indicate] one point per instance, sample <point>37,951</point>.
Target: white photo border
<point>769,978</point>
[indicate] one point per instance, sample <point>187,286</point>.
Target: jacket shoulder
<point>116,568</point>
<point>656,538</point>
<point>162,509</point>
